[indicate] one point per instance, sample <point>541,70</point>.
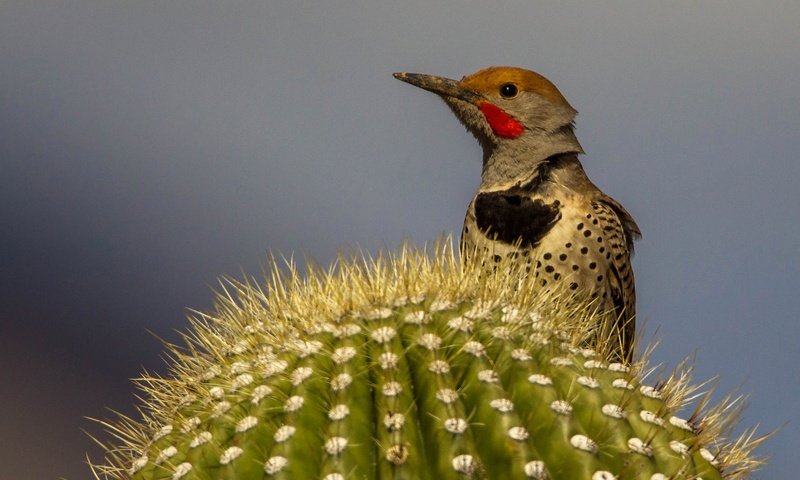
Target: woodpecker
<point>535,201</point>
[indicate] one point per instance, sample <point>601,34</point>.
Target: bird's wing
<point>619,231</point>
<point>630,230</point>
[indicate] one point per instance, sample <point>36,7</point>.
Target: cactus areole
<point>411,366</point>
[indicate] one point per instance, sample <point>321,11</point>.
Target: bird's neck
<point>517,161</point>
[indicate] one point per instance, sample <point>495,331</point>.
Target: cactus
<point>413,366</point>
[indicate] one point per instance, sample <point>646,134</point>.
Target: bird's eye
<point>508,90</point>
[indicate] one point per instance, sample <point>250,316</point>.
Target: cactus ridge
<point>413,366</point>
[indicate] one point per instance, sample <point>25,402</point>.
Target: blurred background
<point>148,147</point>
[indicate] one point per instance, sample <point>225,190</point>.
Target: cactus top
<point>411,366</point>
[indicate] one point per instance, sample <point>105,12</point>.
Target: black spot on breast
<point>509,216</point>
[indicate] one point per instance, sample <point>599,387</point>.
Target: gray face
<point>546,127</point>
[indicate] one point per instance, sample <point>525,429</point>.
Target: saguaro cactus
<point>412,366</point>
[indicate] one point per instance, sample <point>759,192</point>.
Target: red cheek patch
<point>502,124</point>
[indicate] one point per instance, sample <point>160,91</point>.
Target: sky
<point>148,147</point>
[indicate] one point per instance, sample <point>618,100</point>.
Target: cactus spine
<point>412,366</point>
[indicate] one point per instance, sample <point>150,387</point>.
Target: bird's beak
<point>441,86</point>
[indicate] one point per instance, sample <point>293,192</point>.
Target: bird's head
<point>508,109</point>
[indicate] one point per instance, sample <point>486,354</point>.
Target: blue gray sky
<point>147,147</point>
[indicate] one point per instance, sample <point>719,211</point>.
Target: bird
<point>535,202</point>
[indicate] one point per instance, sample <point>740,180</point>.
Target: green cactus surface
<point>413,366</point>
